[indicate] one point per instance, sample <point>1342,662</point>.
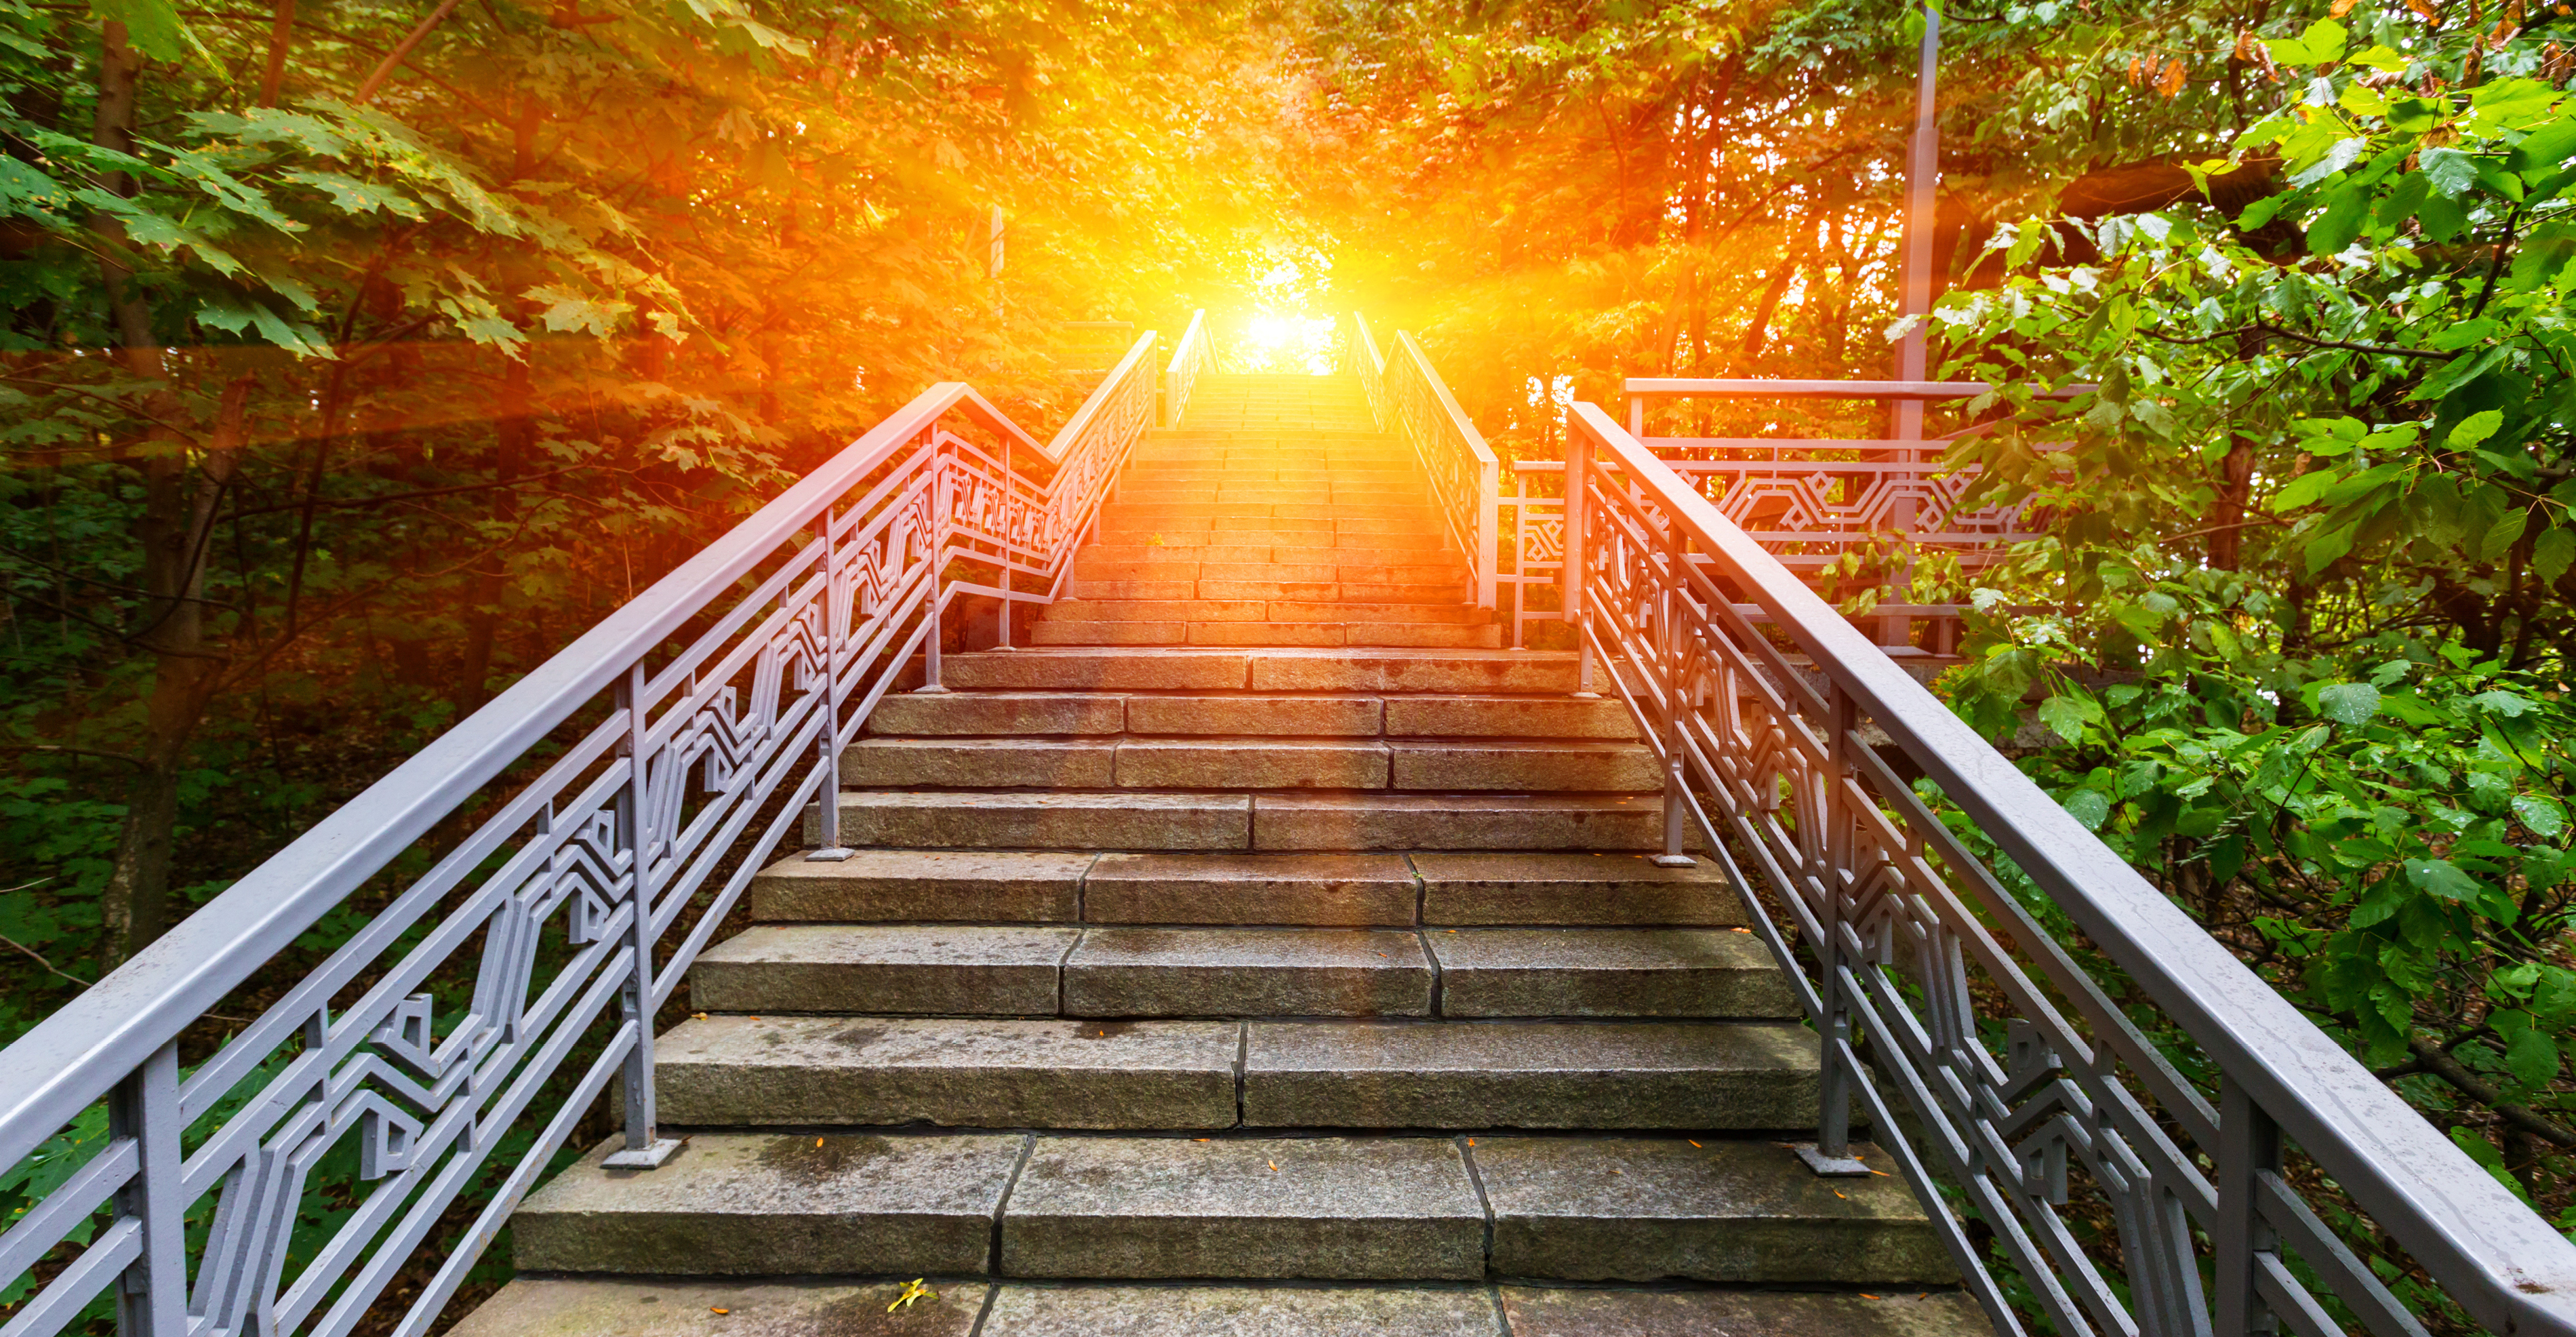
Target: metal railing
<point>1986,1060</point>
<point>1407,397</point>
<point>1194,355</point>
<point>598,820</point>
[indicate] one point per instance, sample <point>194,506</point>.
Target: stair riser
<point>1246,763</point>
<point>1223,551</point>
<point>1080,1075</point>
<point>1397,1209</point>
<point>1324,890</point>
<point>1230,822</point>
<point>1317,635</point>
<point>1283,672</point>
<point>1264,610</point>
<point>1435,598</point>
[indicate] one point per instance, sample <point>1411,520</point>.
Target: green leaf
<point>2346,209</point>
<point>2063,717</point>
<point>2348,702</point>
<point>2475,428</point>
<point>2326,549</point>
<point>2092,807</point>
<point>2551,554</point>
<point>2501,536</point>
<point>2304,489</point>
<point>2442,878</point>
<point>2498,701</point>
<point>2450,171</point>
<point>2541,814</point>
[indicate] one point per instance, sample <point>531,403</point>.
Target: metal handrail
<point>1190,358</point>
<point>1407,396</point>
<point>666,753</point>
<point>1897,912</point>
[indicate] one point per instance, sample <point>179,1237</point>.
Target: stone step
<point>1044,1206</point>
<point>1250,763</point>
<point>1131,819</point>
<point>1065,630</point>
<point>1277,501</point>
<point>673,1307</point>
<point>1262,610</point>
<point>1266,670</point>
<point>1305,536</point>
<point>1445,593</point>
<point>1317,890</point>
<point>1110,971</point>
<point>1024,714</point>
<point>1222,551</point>
<point>1448,575</point>
<point>954,1072</point>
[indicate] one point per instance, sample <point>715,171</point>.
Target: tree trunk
<point>514,435</point>
<point>2235,485</point>
<point>175,531</point>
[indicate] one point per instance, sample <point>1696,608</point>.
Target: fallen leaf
<point>1695,1144</point>
<point>818,1142</point>
<point>713,1310</point>
<point>1274,1167</point>
<point>912,1290</point>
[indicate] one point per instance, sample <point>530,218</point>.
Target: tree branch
<point>2439,1062</point>
<point>2269,330</point>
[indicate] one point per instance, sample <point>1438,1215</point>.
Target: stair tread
<point>674,1307</point>
<point>1316,1207</point>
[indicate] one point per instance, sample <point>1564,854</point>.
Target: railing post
<point>1830,1153</point>
<point>930,681</point>
<point>152,1297</point>
<point>1578,467</point>
<point>836,638</point>
<point>644,1149</point>
<point>1674,595</point>
<point>1488,529</point>
<point>2249,1147</point>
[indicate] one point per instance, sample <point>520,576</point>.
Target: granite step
<point>1302,536</point>
<point>842,1072</point>
<point>1220,550</point>
<point>1265,670</point>
<point>1272,714</point>
<point>1445,591</point>
<point>1063,630</point>
<point>1252,762</point>
<point>674,1307</point>
<point>1315,890</point>
<point>1045,970</point>
<point>1235,1207</point>
<point>1166,565</point>
<point>1286,822</point>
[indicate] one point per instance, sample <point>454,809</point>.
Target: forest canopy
<point>357,355</point>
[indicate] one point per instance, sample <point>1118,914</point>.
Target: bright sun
<point>1281,341</point>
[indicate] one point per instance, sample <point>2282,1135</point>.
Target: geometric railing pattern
<point>1982,1055</point>
<point>562,856</point>
<point>1408,398</point>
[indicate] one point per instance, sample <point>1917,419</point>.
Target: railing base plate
<point>1832,1167</point>
<point>835,854</point>
<point>647,1157</point>
<point>1674,861</point>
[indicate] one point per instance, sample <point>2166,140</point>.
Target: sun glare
<point>1278,341</point>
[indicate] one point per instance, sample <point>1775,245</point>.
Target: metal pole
<point>152,1299</point>
<point>2249,1146</point>
<point>836,638</point>
<point>644,1150</point>
<point>1830,1153</point>
<point>1673,596</point>
<point>1578,466</point>
<point>930,683</point>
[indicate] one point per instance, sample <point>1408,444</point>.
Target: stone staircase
<point>1267,975</point>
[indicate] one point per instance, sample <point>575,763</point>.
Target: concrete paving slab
<point>1201,972</point>
<point>1656,1209</point>
<point>1608,972</point>
<point>949,1071</point>
<point>1554,888</point>
<point>964,885</point>
<point>672,1307</point>
<point>737,1204</point>
<point>1536,1074</point>
<point>890,968</point>
<point>1319,1208</point>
